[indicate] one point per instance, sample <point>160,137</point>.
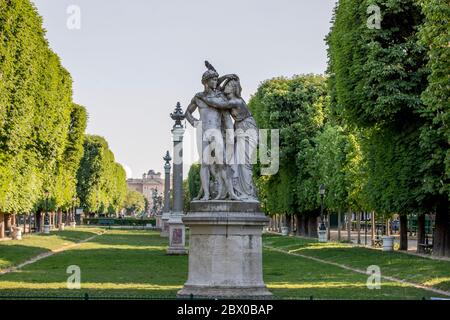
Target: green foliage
<point>101,181</point>
<point>339,164</point>
<point>193,181</point>
<point>119,222</point>
<point>295,107</point>
<point>376,75</point>
<point>435,133</point>
<point>376,80</point>
<point>134,202</point>
<point>35,111</point>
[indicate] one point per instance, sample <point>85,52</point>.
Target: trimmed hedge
<point>119,222</point>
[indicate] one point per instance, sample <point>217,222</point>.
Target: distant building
<point>149,181</point>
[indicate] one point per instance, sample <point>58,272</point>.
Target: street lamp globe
<point>322,189</point>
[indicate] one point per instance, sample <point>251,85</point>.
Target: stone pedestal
<point>323,235</point>
<point>16,233</point>
<point>46,228</point>
<point>176,235</point>
<point>73,224</point>
<point>388,243</point>
<point>225,250</point>
<point>158,221</point>
<point>165,224</point>
<point>284,231</point>
<point>61,227</point>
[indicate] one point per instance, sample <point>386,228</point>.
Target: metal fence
<point>87,296</point>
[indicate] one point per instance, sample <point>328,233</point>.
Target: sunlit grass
<point>134,263</point>
<point>411,268</point>
<point>11,285</point>
<point>17,251</point>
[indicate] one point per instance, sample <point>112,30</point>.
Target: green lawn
<point>133,263</point>
<point>433,273</point>
<point>15,252</point>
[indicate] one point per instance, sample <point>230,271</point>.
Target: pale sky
<point>132,60</point>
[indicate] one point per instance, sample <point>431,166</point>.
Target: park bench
<point>427,247</point>
<point>377,242</point>
<point>106,222</point>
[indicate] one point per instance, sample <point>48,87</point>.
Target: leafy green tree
<point>134,202</point>
<point>35,109</point>
<point>339,165</point>
<point>101,181</point>
<point>377,77</point>
<point>435,133</point>
<point>193,182</point>
<point>295,107</point>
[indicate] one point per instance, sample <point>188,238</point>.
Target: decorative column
<point>176,226</point>
<point>163,221</point>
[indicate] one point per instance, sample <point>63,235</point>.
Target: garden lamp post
<point>322,194</point>
<point>322,229</point>
<point>163,220</point>
<point>72,216</point>
<point>46,217</point>
<point>177,229</point>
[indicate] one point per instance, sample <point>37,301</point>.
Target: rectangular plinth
<point>225,251</point>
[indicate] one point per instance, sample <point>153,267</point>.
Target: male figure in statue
<point>212,154</point>
<point>246,132</point>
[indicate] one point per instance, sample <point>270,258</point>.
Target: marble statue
<point>219,104</point>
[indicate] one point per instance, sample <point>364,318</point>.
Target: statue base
<point>158,222</point>
<point>225,250</point>
<point>165,224</point>
<point>177,235</point>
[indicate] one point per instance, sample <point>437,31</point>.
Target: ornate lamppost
<point>163,221</point>
<point>176,226</point>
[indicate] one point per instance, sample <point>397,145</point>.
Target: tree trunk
<point>373,227</point>
<point>339,225</point>
<point>328,227</point>
<point>7,222</point>
<point>299,223</point>
<point>41,222</point>
<point>349,226</point>
<point>24,223</point>
<point>358,226</point>
<point>303,225</point>
<point>420,232</point>
<point>2,225</point>
<point>289,222</point>
<point>312,226</point>
<point>388,227</point>
<point>404,232</point>
<point>441,237</point>
<point>60,215</point>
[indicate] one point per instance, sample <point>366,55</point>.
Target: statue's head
<point>233,87</point>
<point>210,79</point>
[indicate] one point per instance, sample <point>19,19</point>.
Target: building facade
<point>150,181</point>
